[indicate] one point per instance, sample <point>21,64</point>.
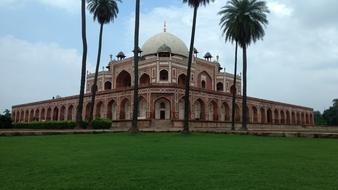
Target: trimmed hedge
<point>102,124</point>
<point>46,125</point>
<point>97,124</point>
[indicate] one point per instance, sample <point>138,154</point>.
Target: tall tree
<point>134,128</point>
<point>195,4</point>
<point>104,11</point>
<point>228,25</point>
<point>245,21</point>
<point>83,70</point>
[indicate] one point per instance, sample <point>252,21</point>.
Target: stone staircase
<point>161,123</point>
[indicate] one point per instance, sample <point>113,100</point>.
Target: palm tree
<point>83,70</point>
<point>104,11</point>
<point>228,26</point>
<point>194,4</point>
<point>243,21</point>
<point>134,128</point>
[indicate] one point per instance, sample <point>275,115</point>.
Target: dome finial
<point>165,26</point>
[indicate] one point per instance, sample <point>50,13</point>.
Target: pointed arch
<point>70,113</point>
<point>282,117</point>
<point>107,85</point>
<point>37,115</point>
<point>276,116</point>
<point>144,80</point>
<point>225,112</point>
<point>125,109</point>
<point>142,108</point>
<point>254,114</point>
<point>99,112</point>
<point>49,114</point>
<point>204,81</point>
<point>162,109</point>
<point>288,120</point>
<point>56,114</point>
<point>181,80</point>
<point>213,111</point>
<point>111,110</point>
<point>123,80</point>
<point>87,111</point>
<point>220,87</point>
<point>199,109</point>
<point>62,113</point>
<point>263,115</point>
<point>164,75</point>
<point>269,116</point>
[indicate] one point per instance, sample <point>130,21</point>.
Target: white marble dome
<point>176,45</point>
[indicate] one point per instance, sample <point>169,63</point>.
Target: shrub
<point>102,124</point>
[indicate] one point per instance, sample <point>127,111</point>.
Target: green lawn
<point>167,161</point>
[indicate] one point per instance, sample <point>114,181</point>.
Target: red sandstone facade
<point>162,70</point>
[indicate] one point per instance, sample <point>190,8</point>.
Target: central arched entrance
<point>162,109</point>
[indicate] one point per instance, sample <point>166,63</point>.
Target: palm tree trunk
<point>83,70</point>
<point>244,104</point>
<point>94,87</point>
<point>134,128</point>
<point>187,81</point>
<point>234,92</point>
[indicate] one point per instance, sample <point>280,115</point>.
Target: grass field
<point>167,161</point>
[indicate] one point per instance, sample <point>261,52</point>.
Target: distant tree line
<point>329,116</point>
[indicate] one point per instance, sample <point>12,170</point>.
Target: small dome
<point>195,51</point>
<point>208,55</point>
<point>153,44</point>
<point>164,49</point>
<point>120,55</point>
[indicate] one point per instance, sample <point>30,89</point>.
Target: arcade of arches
<point>165,108</point>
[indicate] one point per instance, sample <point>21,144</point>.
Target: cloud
<point>68,5</point>
<point>36,71</point>
<point>295,63</point>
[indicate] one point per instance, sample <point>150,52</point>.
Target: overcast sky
<point>41,48</point>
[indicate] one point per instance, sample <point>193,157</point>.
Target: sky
<point>41,47</point>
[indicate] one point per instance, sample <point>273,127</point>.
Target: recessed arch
<point>181,80</point>
<point>276,117</point>
<point>220,87</point>
<point>142,108</point>
<point>269,116</point>
<point>43,114</point>
<point>144,80</point>
<point>225,112</point>
<point>282,117</point>
<point>37,115</point>
<point>62,113</point>
<point>87,112</point>
<point>162,109</point>
<point>254,114</point>
<point>49,114</point>
<point>70,113</point>
<point>107,85</point>
<point>31,115</point>
<point>288,120</point>
<point>204,81</point>
<point>111,110</point>
<point>123,80</point>
<point>99,112</point>
<point>55,114</point>
<point>212,111</point>
<point>164,76</point>
<point>263,115</point>
<point>125,109</point>
<point>199,109</point>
